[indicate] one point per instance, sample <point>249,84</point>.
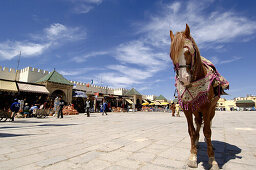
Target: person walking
<point>173,109</point>
<point>177,110</point>
<point>62,104</point>
<point>87,107</point>
<point>105,108</point>
<point>56,106</point>
<point>14,108</point>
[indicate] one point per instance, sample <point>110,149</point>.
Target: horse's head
<point>183,53</point>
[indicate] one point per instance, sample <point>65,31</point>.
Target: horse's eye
<point>188,57</point>
<point>187,53</point>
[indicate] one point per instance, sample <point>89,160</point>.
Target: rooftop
<point>54,77</point>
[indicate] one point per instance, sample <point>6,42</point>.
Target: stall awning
<point>32,88</point>
<point>145,101</point>
<point>129,101</point>
<point>79,94</point>
<point>8,86</point>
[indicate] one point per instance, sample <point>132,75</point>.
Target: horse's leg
<point>192,161</point>
<point>198,121</point>
<point>207,133</point>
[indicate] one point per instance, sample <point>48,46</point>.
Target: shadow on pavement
<point>4,135</point>
<point>56,124</point>
<point>224,152</point>
<point>10,127</point>
<point>27,121</point>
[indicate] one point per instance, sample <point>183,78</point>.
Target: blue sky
<point>125,43</point>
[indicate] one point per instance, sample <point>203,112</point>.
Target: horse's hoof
<point>214,167</point>
<point>213,164</point>
<point>192,164</point>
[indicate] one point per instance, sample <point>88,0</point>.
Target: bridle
<point>190,66</point>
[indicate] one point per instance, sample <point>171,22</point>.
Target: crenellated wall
<point>8,73</point>
<point>149,97</point>
<point>27,74</point>
<point>120,91</point>
<point>31,75</point>
<point>92,88</point>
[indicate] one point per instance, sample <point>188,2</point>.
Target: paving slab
<point>140,140</point>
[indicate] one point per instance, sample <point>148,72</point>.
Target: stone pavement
<point>124,141</point>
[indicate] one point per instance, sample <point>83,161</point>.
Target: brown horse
<point>199,88</point>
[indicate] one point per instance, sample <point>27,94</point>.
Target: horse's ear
<point>171,35</point>
<point>187,31</point>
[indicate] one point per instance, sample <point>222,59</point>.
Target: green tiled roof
<point>132,92</point>
<point>54,77</point>
<point>161,97</point>
<point>245,101</point>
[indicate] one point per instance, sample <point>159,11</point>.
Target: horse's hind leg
<point>198,121</point>
<point>207,133</point>
<point>192,161</point>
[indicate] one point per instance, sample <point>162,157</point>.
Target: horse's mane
<point>178,44</point>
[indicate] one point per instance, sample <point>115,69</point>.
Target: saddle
<point>219,81</point>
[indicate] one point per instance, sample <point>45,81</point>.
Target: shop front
<point>8,91</point>
<point>78,100</point>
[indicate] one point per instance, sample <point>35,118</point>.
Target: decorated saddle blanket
<point>197,94</point>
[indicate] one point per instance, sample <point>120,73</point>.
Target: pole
<point>18,64</point>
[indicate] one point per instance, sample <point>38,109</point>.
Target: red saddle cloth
<point>197,94</point>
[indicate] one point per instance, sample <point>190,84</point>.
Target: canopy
<point>79,94</point>
<point>152,104</point>
<point>157,103</point>
<point>129,101</point>
<point>32,88</point>
<point>8,86</point>
<point>144,104</point>
<point>164,103</point>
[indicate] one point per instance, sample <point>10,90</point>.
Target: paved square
<point>124,141</point>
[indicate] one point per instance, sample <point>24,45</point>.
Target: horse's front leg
<point>192,161</point>
<point>207,134</point>
<point>198,121</point>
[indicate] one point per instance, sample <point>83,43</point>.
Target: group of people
<point>24,109</point>
<point>175,107</point>
<point>59,103</point>
<point>103,107</point>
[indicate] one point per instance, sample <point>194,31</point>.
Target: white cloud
<point>117,80</point>
<point>137,52</point>
<point>59,32</point>
<point>82,58</point>
<point>78,71</point>
<point>217,61</point>
<point>85,6</point>
<point>83,9</point>
<point>149,52</point>
<point>232,59</point>
<point>55,30</point>
<point>55,34</point>
<point>207,27</point>
<point>9,49</point>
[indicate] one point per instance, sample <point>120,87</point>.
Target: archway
<point>58,93</point>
